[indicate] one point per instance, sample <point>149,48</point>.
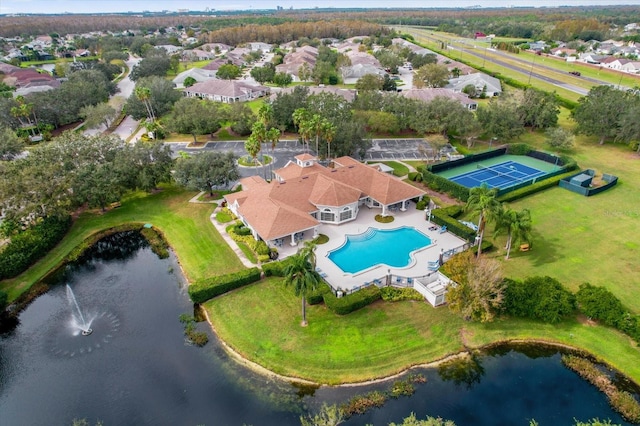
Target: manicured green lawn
<point>581,239</point>
<point>262,322</point>
<point>186,226</point>
<point>398,168</point>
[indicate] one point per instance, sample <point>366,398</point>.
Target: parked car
<point>576,73</point>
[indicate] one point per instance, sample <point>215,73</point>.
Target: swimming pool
<point>390,247</point>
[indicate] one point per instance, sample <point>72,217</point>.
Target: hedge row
<point>206,289</point>
<point>352,302</point>
<point>533,188</point>
<point>240,233</point>
<point>519,149</point>
<point>443,217</point>
<point>316,297</point>
<point>541,298</point>
<point>439,183</point>
<point>275,269</point>
<point>30,245</point>
<point>600,304</point>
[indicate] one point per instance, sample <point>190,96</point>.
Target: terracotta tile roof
<point>328,192</point>
<point>382,187</point>
<point>292,170</point>
<point>226,88</point>
<point>304,157</point>
<point>279,209</point>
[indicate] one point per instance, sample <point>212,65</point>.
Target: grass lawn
<point>588,239</point>
<point>186,226</point>
<point>398,168</point>
<point>262,322</point>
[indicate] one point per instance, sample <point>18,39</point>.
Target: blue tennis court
<point>500,176</point>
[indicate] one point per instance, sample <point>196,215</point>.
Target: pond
<point>137,369</point>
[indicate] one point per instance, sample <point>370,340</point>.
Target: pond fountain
<point>78,321</point>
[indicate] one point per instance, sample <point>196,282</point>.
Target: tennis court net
<point>497,173</point>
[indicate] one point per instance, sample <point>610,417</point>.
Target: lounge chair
<point>433,265</point>
<point>443,229</point>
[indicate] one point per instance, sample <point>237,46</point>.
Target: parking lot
<point>381,150</point>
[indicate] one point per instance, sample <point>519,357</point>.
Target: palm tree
<point>273,136</point>
<point>252,145</point>
<point>456,72</point>
<point>516,223</point>
<point>482,200</point>
<point>144,95</point>
<point>328,133</point>
<point>301,118</point>
<point>301,273</point>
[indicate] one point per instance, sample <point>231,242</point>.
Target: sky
<point>100,6</point>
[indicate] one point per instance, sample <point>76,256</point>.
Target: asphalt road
<point>528,70</point>
<point>381,150</point>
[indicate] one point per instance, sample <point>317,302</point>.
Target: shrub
<point>274,269</point>
<point>442,217</point>
<point>422,204</point>
<point>30,245</point>
<point>262,249</point>
<point>600,304</point>
<point>486,247</point>
<point>352,302</point>
<point>316,297</point>
<point>541,298</point>
<point>413,176</point>
<point>206,289</point>
<point>384,219</point>
<point>519,149</point>
<point>359,404</point>
<point>395,294</point>
<point>439,183</point>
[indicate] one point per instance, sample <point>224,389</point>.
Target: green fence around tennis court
<point>557,165</point>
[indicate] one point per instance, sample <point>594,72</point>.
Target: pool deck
<point>366,218</point>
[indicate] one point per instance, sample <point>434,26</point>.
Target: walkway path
<point>221,228</point>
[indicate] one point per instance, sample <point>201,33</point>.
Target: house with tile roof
<point>482,82</point>
<point>227,91</point>
<point>305,194</point>
<point>427,95</point>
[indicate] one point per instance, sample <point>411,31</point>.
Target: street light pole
<point>531,70</point>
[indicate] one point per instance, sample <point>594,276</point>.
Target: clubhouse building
<point>305,194</point>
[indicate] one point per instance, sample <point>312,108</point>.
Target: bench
<point>524,247</point>
<point>115,205</point>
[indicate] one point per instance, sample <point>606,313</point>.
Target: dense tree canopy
<point>196,117</point>
<point>206,171</point>
<point>155,65</point>
<point>598,113</point>
<point>162,97</point>
<point>74,170</point>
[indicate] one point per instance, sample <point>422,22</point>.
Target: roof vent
<point>351,167</point>
<point>334,170</point>
<point>305,177</point>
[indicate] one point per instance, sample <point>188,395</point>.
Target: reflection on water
<point>137,369</point>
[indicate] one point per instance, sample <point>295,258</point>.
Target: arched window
<point>346,214</point>
<point>327,215</point>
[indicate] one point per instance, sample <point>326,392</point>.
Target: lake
<point>136,368</point>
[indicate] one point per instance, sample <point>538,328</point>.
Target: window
<point>327,216</point>
<point>346,214</point>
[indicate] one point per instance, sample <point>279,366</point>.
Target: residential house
<point>28,80</point>
<point>631,67</point>
<point>264,47</point>
<point>427,95</point>
<point>197,55</point>
<point>294,60</point>
<point>592,58</point>
<point>614,62</point>
<point>169,48</point>
<point>197,74</point>
<point>538,46</point>
<point>218,48</point>
<point>483,83</point>
<point>347,94</point>
<point>413,47</point>
<point>227,91</point>
<point>353,73</point>
<point>306,194</point>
